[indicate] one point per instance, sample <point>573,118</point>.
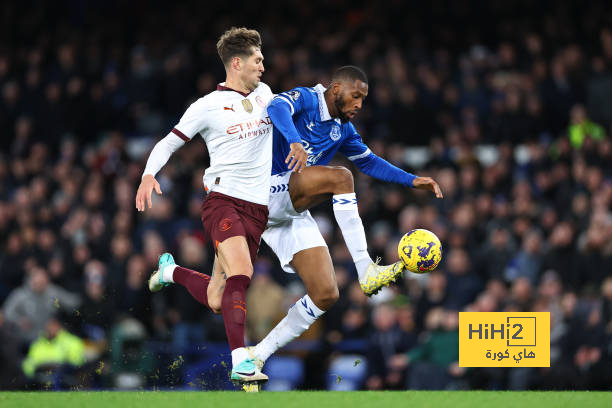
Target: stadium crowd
<point>512,116</point>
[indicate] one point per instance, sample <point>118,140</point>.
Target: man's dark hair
<point>350,73</point>
<point>237,42</point>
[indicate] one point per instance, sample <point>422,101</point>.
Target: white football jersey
<point>238,134</point>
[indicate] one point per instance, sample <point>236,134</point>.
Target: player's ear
<point>236,63</point>
<point>336,88</point>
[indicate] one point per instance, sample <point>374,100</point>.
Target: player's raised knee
<point>343,180</point>
<point>326,297</point>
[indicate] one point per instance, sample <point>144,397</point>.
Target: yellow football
<point>420,250</point>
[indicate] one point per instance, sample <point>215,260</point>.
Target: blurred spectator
<point>528,260</point>
<point>186,314</point>
<point>30,306</point>
<point>263,299</point>
<point>464,282</point>
<point>54,348</point>
<point>435,362</point>
<point>10,371</point>
<point>386,339</point>
<point>433,297</point>
<point>96,313</point>
<point>581,127</point>
<point>135,299</point>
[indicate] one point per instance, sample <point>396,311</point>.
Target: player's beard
<point>340,109</point>
<point>252,85</point>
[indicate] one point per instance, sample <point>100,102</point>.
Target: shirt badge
<point>335,134</point>
<point>246,104</point>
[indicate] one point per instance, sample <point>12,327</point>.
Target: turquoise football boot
<point>156,281</point>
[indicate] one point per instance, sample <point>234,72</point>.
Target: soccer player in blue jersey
<point>320,119</point>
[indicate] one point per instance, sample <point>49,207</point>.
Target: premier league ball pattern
<point>420,250</point>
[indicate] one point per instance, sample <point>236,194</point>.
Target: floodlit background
<point>508,105</point>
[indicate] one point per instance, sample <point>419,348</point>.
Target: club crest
<point>335,134</point>
<point>246,104</point>
<point>294,95</point>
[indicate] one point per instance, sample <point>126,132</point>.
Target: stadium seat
<point>285,372</point>
<point>347,373</point>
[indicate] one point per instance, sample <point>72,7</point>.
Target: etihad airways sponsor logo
<point>248,125</point>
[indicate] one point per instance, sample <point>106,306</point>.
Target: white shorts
<point>288,232</point>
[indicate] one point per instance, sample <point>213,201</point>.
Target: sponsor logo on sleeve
<point>294,95</point>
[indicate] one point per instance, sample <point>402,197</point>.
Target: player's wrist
<point>411,179</point>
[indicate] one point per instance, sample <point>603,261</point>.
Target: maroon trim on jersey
<point>180,134</point>
<point>225,88</point>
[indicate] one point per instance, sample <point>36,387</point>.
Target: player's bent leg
<point>315,267</point>
<point>316,184</point>
<point>216,287</point>
<point>169,272</point>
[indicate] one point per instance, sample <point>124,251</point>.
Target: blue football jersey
<point>321,135</point>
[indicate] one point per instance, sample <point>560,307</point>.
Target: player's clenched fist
<point>145,190</point>
<point>297,157</point>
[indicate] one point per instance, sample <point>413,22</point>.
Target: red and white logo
<point>260,101</point>
<point>225,224</point>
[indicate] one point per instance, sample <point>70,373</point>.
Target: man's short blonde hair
<point>237,42</point>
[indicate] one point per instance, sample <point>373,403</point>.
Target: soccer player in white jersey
<point>238,133</point>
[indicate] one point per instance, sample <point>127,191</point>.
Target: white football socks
<point>347,217</point>
<point>168,273</point>
<point>239,355</point>
<point>299,318</point>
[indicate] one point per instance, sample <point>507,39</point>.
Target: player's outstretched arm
<point>377,167</point>
<point>145,190</point>
<point>157,159</point>
<point>427,183</point>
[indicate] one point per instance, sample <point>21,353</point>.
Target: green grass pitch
<point>321,399</point>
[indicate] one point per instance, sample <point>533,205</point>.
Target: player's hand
<point>145,190</point>
<point>297,157</point>
<point>427,183</point>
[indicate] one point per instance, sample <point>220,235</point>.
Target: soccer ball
<point>420,250</point>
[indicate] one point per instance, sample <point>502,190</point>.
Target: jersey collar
<point>323,111</point>
<point>222,87</point>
